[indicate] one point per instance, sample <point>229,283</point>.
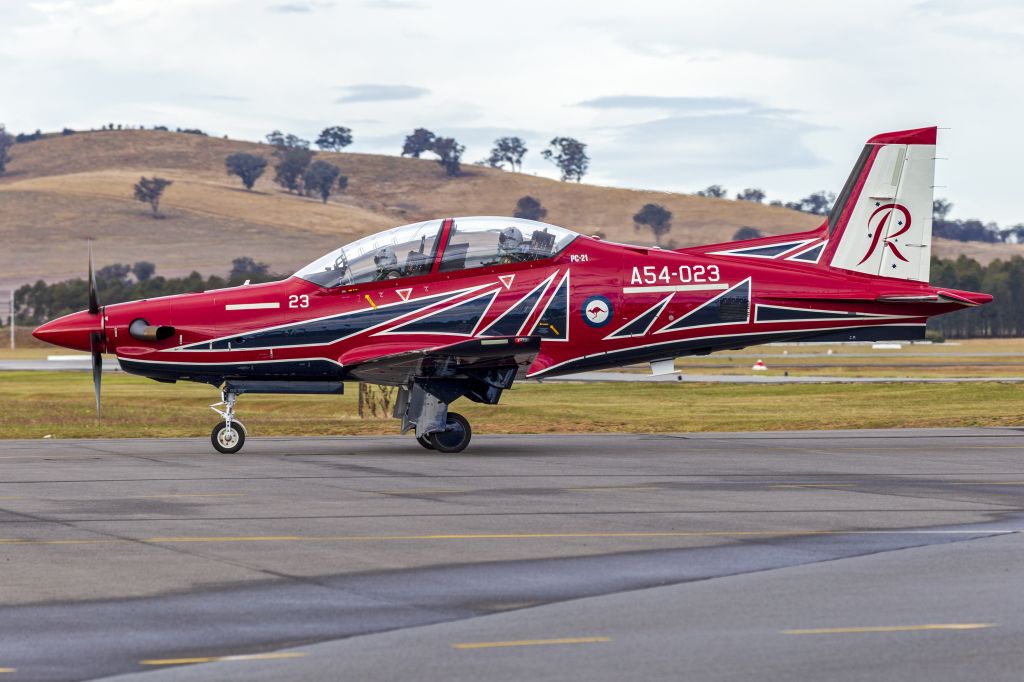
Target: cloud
<point>375,92</point>
<point>683,152</point>
<point>393,4</point>
<point>299,7</point>
<point>221,98</point>
<point>678,104</point>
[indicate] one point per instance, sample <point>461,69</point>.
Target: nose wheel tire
<point>425,442</point>
<point>455,436</point>
<point>228,442</point>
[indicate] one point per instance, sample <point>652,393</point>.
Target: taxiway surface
<point>838,555</point>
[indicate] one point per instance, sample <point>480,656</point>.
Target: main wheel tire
<point>455,436</point>
<point>425,442</point>
<point>224,443</point>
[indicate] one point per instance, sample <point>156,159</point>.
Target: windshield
<point>481,242</point>
<point>399,252</point>
<point>411,250</point>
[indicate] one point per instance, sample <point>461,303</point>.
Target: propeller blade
<point>96,341</point>
<point>94,299</point>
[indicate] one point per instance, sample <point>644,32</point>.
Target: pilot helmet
<point>385,257</point>
<point>510,239</point>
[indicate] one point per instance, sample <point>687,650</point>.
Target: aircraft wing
<point>476,359</point>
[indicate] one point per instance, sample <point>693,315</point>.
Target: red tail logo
<point>885,211</point>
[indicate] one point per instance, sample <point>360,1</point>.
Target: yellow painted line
<point>531,642</point>
<point>891,628</point>
<point>215,659</point>
<point>503,536</point>
<point>370,301</point>
<point>8,670</point>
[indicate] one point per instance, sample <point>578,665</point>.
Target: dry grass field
<point>60,405</point>
<point>60,190</point>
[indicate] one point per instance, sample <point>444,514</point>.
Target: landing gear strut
<point>228,436</point>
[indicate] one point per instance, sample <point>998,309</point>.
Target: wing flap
<point>462,360</point>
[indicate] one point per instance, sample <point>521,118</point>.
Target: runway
<point>837,555</point>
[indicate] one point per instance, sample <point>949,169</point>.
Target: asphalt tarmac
<point>843,555</point>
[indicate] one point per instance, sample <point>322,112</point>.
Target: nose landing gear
<point>228,436</point>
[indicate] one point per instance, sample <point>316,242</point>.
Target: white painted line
<point>251,306</point>
<point>676,287</point>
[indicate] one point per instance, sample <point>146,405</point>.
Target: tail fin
<point>881,223</point>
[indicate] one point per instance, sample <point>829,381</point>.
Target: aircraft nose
<point>71,331</point>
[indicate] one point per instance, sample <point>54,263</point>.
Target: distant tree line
<point>296,171</point>
<point>120,282</point>
<point>1004,279</point>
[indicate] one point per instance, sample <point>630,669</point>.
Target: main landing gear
<point>454,438</point>
<point>228,436</point>
<point>423,408</point>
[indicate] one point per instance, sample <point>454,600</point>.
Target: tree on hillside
<point>320,178</point>
<point>713,191</point>
<point>150,190</point>
<point>751,194</point>
<point>421,140</point>
<point>941,209</point>
<point>449,154</point>
<point>244,267</point>
<point>746,233</point>
<point>6,142</point>
<point>289,141</point>
<point>248,167</point>
<point>143,270</point>
<point>818,203</point>
<point>529,208</point>
<point>656,217</point>
<point>510,150</point>
<point>292,163</point>
<point>570,155</point>
<point>334,139</point>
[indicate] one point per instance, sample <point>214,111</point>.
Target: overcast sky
<point>668,95</point>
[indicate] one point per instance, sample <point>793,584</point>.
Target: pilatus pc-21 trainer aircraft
<point>462,307</point>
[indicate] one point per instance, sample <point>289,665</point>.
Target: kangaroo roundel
<point>597,311</point>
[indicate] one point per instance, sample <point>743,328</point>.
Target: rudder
<point>881,223</point>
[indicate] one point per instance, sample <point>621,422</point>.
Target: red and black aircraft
<point>461,307</point>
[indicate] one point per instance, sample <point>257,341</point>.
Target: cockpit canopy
<point>412,250</point>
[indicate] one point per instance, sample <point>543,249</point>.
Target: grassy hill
<point>60,190</point>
